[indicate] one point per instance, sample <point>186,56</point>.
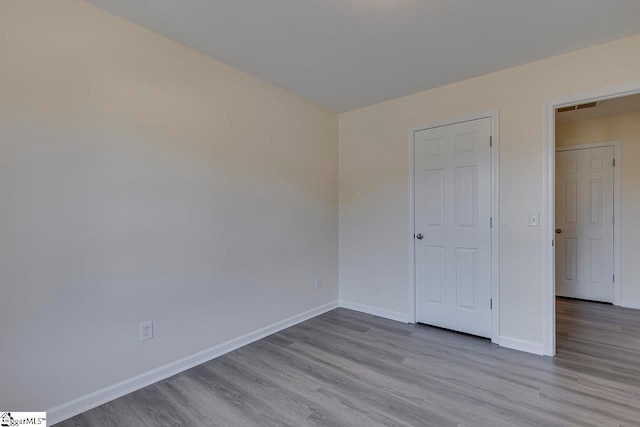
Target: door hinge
<point>614,220</point>
<point>491,141</point>
<point>614,278</point>
<point>490,222</point>
<point>614,163</point>
<point>553,243</point>
<point>491,304</point>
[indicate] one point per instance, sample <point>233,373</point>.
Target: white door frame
<point>617,248</point>
<point>495,215</point>
<point>549,194</point>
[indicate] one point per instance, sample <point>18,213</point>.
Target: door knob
<point>420,236</point>
<point>558,231</point>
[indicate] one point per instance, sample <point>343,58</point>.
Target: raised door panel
<point>466,196</point>
<point>570,263</point>
<point>434,185</point>
<point>435,273</point>
<point>467,278</point>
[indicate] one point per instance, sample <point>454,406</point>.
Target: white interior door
<point>584,223</point>
<point>452,223</point>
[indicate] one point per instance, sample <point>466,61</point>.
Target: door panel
<point>452,211</point>
<point>434,183</point>
<point>584,220</point>
<point>467,277</point>
<point>434,264</point>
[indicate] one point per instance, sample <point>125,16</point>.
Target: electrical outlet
<point>146,330</point>
<point>318,283</point>
<point>378,283</point>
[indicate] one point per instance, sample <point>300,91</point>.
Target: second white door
<point>452,223</point>
<point>584,221</point>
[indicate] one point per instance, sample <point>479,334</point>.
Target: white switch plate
<point>534,219</point>
<point>318,283</point>
<point>378,283</point>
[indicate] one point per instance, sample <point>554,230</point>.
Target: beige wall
<point>374,175</point>
<point>626,128</point>
<point>141,180</point>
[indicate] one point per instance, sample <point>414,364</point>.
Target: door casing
<point>495,215</point>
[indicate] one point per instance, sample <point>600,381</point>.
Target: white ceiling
<point>346,54</point>
<point>609,107</point>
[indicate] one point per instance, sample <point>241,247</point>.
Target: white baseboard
<point>380,312</point>
<point>522,345</point>
<point>107,394</point>
<point>630,304</point>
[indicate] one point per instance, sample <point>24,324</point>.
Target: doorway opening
<point>592,199</point>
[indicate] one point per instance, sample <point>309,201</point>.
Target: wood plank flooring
<point>350,369</point>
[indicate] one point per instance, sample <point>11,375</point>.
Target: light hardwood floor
<point>350,369</point>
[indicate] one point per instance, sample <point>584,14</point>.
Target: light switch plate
<point>534,219</point>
